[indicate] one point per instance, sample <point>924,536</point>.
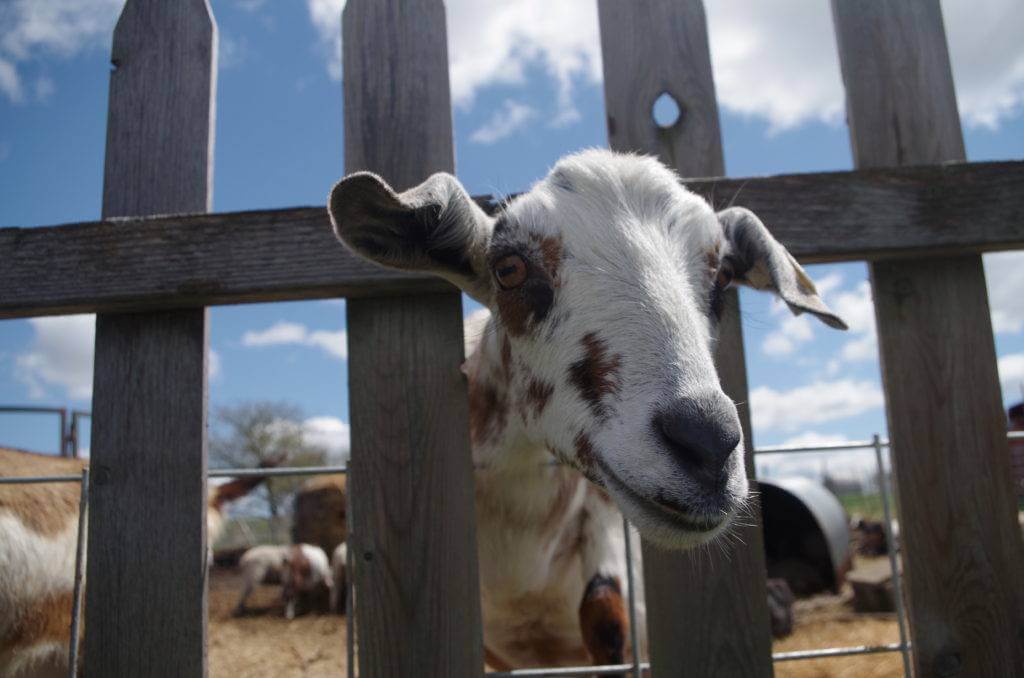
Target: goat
<point>299,568</point>
<point>604,286</point>
<point>38,538</point>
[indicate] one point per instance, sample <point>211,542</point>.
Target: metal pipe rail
<point>636,667</point>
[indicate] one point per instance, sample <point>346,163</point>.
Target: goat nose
<point>702,435</point>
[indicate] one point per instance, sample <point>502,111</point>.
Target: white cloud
<point>793,330</point>
<point>10,82</point>
<point>779,60</point>
<point>330,433</point>
<point>987,53</point>
<point>508,119</point>
<point>495,42</point>
<point>326,18</point>
<point>61,355</point>
<point>278,333</point>
<point>283,333</point>
<point>812,404</point>
<point>776,60</point>
<point>1004,276</point>
<point>857,309</point>
<point>33,28</point>
<point>1011,374</point>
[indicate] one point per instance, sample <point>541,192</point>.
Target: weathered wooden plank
<point>963,557</point>
<point>705,616</point>
<point>146,593</point>
<point>412,496</point>
<point>289,254</point>
<point>414,529</point>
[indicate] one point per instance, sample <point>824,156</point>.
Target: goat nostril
<point>703,443</point>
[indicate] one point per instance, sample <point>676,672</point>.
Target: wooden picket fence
<point>921,227</point>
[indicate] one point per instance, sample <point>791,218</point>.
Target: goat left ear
<point>759,261</point>
<point>434,227</point>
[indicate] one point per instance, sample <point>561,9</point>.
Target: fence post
<point>706,616</point>
<point>146,569</point>
<point>414,530</point>
<point>963,558</point>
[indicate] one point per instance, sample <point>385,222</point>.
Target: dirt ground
<point>265,644</point>
<point>826,621</point>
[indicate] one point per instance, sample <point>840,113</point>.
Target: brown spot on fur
<point>488,410</point>
<point>603,620</point>
<point>537,395</point>
<point>584,450</point>
<point>45,508</point>
<point>596,374</point>
<point>551,253</point>
<point>514,313</point>
<point>44,620</point>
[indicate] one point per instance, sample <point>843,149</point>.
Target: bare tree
<point>257,433</point>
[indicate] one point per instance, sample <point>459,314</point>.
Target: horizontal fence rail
<point>278,255</point>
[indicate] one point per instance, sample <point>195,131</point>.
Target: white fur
<point>269,564</point>
<point>33,567</point>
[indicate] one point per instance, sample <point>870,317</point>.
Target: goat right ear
<point>435,227</point>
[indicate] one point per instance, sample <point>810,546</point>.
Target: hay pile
<point>320,510</point>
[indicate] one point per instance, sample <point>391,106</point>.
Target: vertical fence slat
<point>962,550</point>
<point>707,615</point>
<point>146,570</point>
<point>414,531</point>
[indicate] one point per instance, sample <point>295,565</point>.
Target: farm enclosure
<point>922,228</point>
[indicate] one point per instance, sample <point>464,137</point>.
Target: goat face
<point>607,278</point>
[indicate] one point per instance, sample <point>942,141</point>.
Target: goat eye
<point>510,271</point>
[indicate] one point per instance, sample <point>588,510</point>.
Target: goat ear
<point>434,227</point>
<point>759,261</point>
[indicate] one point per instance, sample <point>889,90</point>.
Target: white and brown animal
<point>38,538</point>
<point>298,568</point>
<point>605,286</point>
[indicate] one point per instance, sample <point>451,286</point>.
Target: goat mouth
<point>659,511</point>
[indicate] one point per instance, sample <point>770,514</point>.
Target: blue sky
<point>526,91</point>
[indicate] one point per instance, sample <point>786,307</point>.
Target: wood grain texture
<point>652,48</point>
<point>414,529</point>
<point>398,113</point>
<point>146,594</point>
<point>288,254</point>
<point>706,616</point>
<point>412,490</point>
<point>963,557</point>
